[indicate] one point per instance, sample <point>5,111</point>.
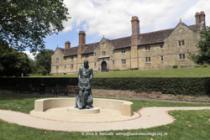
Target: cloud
<point>111,18</point>
<point>30,55</point>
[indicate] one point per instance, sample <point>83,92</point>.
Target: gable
<point>180,31</point>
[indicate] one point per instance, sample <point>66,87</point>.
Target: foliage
<point>13,63</point>
<point>25,23</point>
<point>53,86</point>
<point>43,61</point>
<point>204,46</point>
<point>177,86</point>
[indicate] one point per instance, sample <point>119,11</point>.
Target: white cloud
<point>112,17</point>
<point>200,5</point>
<point>30,55</point>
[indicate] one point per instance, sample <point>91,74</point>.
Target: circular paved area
<point>70,114</point>
<point>150,117</point>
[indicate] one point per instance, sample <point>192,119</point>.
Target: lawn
<point>181,72</point>
<point>190,125</point>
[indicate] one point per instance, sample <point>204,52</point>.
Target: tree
<point>13,63</point>
<point>24,23</point>
<point>43,61</point>
<point>204,46</point>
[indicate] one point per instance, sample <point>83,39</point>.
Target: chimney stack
<point>135,25</point>
<point>203,18</point>
<point>134,63</point>
<point>200,19</point>
<point>81,38</point>
<point>197,18</point>
<point>67,45</point>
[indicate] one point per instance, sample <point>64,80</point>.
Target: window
<point>86,56</point>
<point>161,46</point>
<point>64,66</point>
<point>123,61</point>
<point>123,51</point>
<point>57,60</point>
<point>161,58</point>
<point>147,48</point>
<point>72,66</point>
<point>148,59</point>
<point>182,56</point>
<point>103,53</point>
<point>112,61</point>
<point>181,42</point>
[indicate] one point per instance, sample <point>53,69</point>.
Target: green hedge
<point>177,86</point>
<point>39,85</point>
<point>181,86</point>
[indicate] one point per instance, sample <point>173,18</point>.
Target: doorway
<point>104,66</point>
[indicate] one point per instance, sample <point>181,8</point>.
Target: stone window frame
<point>72,66</point>
<point>182,56</point>
<point>147,48</point>
<point>162,58</point>
<point>181,42</point>
<point>57,60</point>
<point>147,59</point>
<point>123,51</point>
<point>123,61</point>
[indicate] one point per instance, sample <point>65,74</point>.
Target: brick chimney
<point>197,18</point>
<point>80,48</point>
<point>200,19</point>
<point>67,45</point>
<point>135,25</point>
<point>81,38</point>
<point>134,42</point>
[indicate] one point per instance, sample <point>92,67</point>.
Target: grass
<point>182,72</point>
<point>190,125</point>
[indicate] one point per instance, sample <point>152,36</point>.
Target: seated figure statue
<point>84,98</point>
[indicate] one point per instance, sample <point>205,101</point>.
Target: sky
<point>111,18</point>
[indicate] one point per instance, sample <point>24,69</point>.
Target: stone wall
<point>162,55</point>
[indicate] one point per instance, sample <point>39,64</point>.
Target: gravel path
<point>150,117</point>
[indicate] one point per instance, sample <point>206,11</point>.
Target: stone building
<point>154,50</point>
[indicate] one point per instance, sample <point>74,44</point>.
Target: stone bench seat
<point>124,107</point>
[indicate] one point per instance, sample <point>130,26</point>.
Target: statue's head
<point>86,64</point>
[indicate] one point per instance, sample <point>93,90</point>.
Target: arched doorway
<point>104,66</point>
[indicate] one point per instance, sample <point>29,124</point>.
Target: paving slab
<point>150,117</point>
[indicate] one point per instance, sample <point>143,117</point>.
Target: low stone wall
<point>122,106</point>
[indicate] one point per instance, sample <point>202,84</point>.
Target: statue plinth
<point>93,110</point>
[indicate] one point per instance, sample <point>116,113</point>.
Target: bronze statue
<point>84,99</point>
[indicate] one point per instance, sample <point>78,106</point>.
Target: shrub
<point>177,86</point>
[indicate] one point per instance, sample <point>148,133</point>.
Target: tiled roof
<point>71,51</point>
<point>154,37</point>
<point>144,39</point>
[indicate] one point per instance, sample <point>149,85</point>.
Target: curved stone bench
<point>124,107</point>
